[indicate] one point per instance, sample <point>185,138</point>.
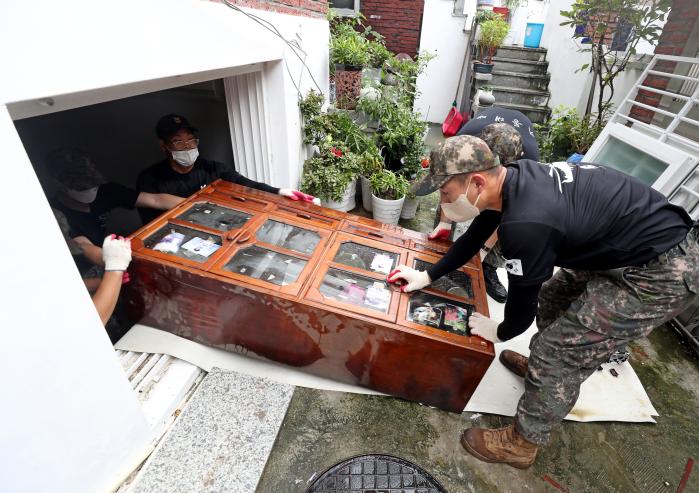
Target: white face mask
<point>185,158</point>
<point>461,209</point>
<point>83,196</point>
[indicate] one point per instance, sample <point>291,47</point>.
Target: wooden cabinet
<point>245,270</point>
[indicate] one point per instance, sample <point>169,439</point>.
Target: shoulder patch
<point>514,267</point>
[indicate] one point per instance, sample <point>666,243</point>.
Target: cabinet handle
<point>243,237</point>
<point>303,216</point>
<point>372,233</point>
<point>233,235</point>
<point>239,199</point>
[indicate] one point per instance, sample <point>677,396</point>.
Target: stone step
<point>522,53</point>
<point>520,66</point>
<point>520,96</point>
<point>504,78</point>
<point>537,114</point>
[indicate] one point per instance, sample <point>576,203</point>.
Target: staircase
<point>520,81</point>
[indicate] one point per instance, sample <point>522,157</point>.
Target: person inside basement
<point>184,172</point>
<point>629,262</point>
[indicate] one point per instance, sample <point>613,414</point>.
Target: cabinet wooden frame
<point>295,324</point>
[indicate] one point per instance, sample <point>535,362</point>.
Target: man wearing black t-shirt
<point>183,172</point>
<point>629,262</point>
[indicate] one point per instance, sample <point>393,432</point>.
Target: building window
<point>347,8</point>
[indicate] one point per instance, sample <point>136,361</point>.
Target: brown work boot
<point>503,445</point>
<point>514,362</point>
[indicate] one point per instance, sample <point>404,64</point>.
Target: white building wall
<point>69,421</point>
<point>567,87</point>
<point>444,35</point>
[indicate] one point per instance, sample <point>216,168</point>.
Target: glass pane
<point>215,216</point>
<point>357,290</point>
<point>455,283</point>
<point>439,313</point>
<point>342,4</point>
<point>288,236</point>
<point>623,157</point>
<point>367,258</point>
<point>266,265</point>
<point>184,242</point>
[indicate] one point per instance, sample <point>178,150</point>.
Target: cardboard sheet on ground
<point>603,397</point>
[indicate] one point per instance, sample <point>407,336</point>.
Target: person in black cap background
<point>183,172</point>
<point>496,124</point>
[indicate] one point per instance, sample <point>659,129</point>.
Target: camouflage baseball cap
<point>74,169</point>
<point>455,156</point>
<point>504,140</point>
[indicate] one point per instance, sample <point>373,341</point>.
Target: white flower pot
<point>387,211</point>
<point>409,208</point>
<point>346,202</point>
<point>366,194</point>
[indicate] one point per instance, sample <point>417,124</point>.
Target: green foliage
<point>348,46</point>
<point>388,185</point>
<point>491,35</point>
<point>644,21</point>
<point>328,174</point>
<point>566,133</point>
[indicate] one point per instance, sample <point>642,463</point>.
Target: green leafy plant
<point>388,185</point>
<point>347,45</point>
<point>328,174</point>
<point>492,33</point>
<point>626,23</point>
<point>566,133</point>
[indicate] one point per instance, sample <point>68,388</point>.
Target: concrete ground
<point>322,428</point>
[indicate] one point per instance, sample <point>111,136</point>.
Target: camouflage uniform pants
<point>584,316</point>
<point>494,257</point>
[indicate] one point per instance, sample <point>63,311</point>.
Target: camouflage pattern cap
<point>504,140</point>
<point>455,156</point>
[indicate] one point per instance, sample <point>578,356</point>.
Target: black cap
<point>169,125</point>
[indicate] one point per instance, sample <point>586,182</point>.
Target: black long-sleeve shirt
<point>161,178</point>
<point>584,217</point>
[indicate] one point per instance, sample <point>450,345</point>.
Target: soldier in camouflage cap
<point>455,156</point>
<point>504,141</point>
<point>74,170</point>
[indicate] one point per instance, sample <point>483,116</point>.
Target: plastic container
<point>532,36</point>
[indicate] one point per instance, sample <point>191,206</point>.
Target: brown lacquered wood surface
<point>296,324</point>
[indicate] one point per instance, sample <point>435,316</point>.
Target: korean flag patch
<point>514,267</point>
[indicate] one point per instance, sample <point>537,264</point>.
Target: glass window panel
<point>455,283</point>
<point>215,216</point>
<point>439,313</point>
<point>367,258</point>
<point>623,157</point>
<point>183,242</point>
<point>356,290</point>
<point>288,236</point>
<point>266,265</point>
<point>342,4</point>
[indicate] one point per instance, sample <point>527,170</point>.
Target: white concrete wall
<point>442,34</point>
<point>70,422</point>
<point>567,87</point>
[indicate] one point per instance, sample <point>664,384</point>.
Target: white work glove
<point>409,279</point>
<point>484,327</point>
<point>116,253</point>
<point>441,232</point>
<point>296,195</point>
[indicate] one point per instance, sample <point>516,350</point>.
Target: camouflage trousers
<point>583,316</point>
<point>494,257</point>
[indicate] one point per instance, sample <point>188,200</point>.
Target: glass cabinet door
<point>353,277</point>
<point>174,240</point>
<point>427,309</point>
<point>273,252</point>
<point>215,216</point>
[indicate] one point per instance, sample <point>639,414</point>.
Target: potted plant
<point>331,176</point>
<point>412,201</point>
<point>370,163</point>
<point>349,54</point>
<point>492,32</point>
<point>388,194</point>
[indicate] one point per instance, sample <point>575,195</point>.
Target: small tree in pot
<point>388,193</point>
<point>492,32</point>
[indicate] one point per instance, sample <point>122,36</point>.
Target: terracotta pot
<point>348,84</point>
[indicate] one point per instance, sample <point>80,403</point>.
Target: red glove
<point>441,232</point>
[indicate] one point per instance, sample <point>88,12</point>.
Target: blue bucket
<point>532,36</point>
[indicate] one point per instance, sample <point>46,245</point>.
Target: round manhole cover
<point>375,474</point>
